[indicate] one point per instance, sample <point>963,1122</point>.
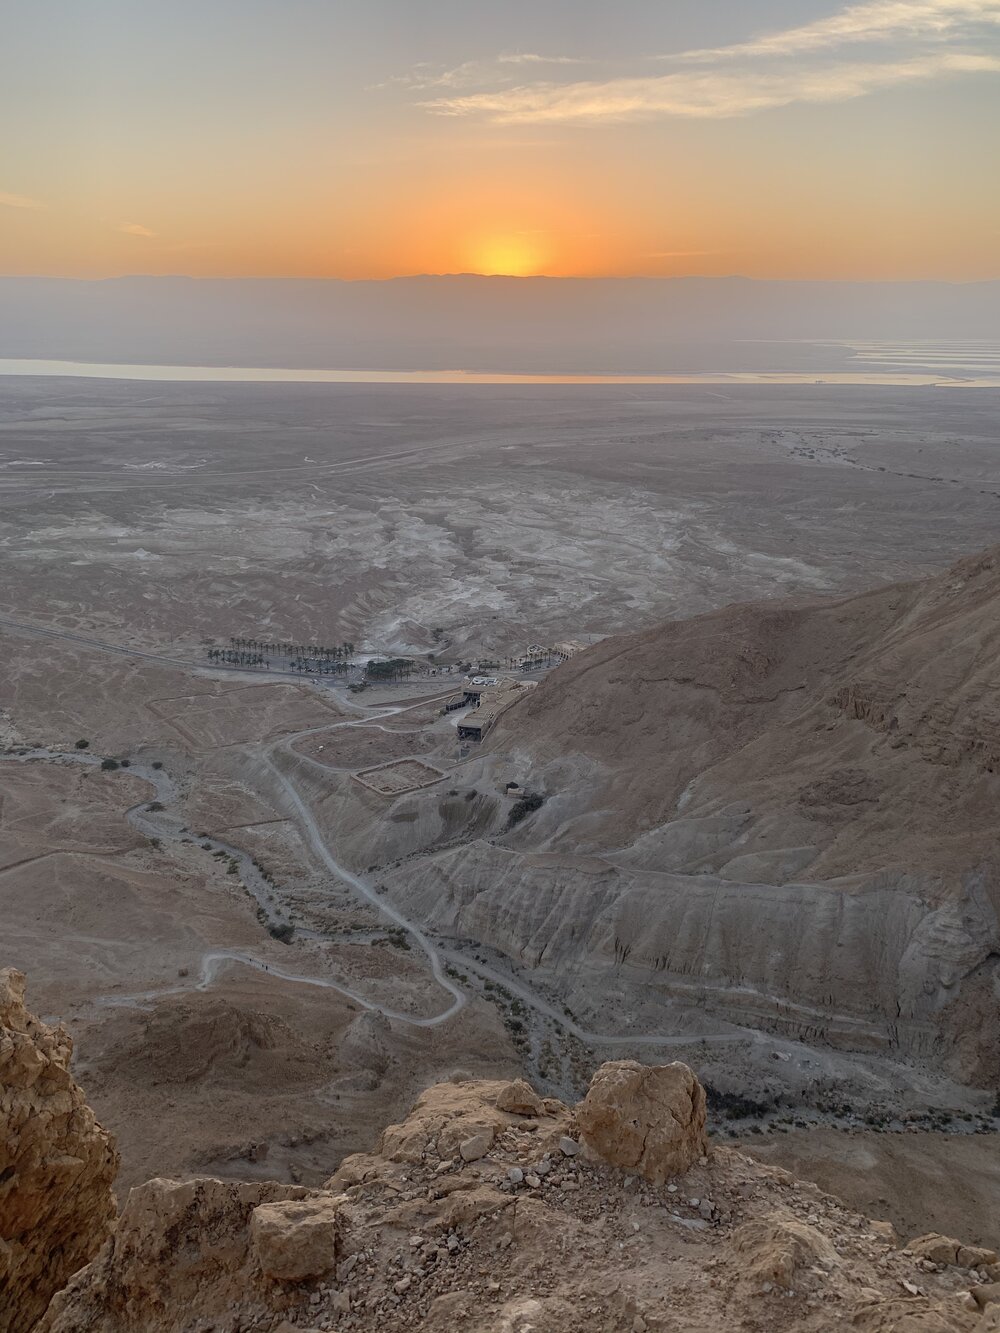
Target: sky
<point>377,138</point>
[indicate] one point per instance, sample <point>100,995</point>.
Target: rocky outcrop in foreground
<point>57,1165</point>
<point>495,1210</point>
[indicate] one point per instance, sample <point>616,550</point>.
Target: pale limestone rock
<point>144,1280</point>
<point>57,1165</point>
<point>477,1146</point>
<point>295,1239</point>
<point>940,1249</point>
<point>446,1115</point>
<point>917,1314</point>
<point>419,1247</point>
<point>884,1230</point>
<point>776,1249</point>
<point>647,1119</point>
<point>518,1098</point>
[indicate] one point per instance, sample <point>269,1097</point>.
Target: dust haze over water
<point>469,329</point>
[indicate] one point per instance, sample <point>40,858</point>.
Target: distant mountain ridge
<point>464,321</point>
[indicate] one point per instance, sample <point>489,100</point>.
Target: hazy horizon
<point>577,326</point>
<point>520,278</point>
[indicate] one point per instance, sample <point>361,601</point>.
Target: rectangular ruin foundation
<point>402,775</point>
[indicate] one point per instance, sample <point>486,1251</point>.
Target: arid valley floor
<point>251,948</point>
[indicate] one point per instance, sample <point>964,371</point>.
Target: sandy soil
<point>255,1074</point>
<point>231,714</point>
<point>920,1182</point>
<point>259,1079</point>
<point>57,693</point>
<point>355,747</point>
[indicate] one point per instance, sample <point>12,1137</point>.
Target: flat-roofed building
<point>474,687</point>
<point>494,699</point>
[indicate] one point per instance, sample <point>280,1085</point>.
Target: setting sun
<point>518,255</point>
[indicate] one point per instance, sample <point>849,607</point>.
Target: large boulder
<point>649,1119</point>
<point>57,1165</point>
<point>940,1249</point>
<point>519,1098</point>
<point>294,1239</point>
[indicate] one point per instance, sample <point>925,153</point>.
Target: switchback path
<point>167,825</point>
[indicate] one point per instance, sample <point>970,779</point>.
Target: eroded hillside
<point>783,814</point>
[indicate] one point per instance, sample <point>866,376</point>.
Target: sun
<point>516,255</point>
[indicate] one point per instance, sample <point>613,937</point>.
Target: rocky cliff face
<point>493,1209</point>
<point>57,1166</point>
<point>783,813</point>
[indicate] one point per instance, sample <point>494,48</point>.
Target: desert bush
<point>733,1104</point>
<point>529,802</point>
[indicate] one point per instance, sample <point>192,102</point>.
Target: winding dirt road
<point>168,826</point>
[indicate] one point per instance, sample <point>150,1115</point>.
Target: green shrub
<point>528,804</point>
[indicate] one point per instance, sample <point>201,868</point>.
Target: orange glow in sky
<point>824,139</point>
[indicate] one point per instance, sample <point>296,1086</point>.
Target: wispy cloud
<point>470,74</point>
<point>497,70</point>
<point>531,58</point>
<point>876,21</point>
<point>19,201</point>
<point>134,229</point>
<point>708,94</point>
<point>865,48</point>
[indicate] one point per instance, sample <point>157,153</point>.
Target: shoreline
<point>11,367</point>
